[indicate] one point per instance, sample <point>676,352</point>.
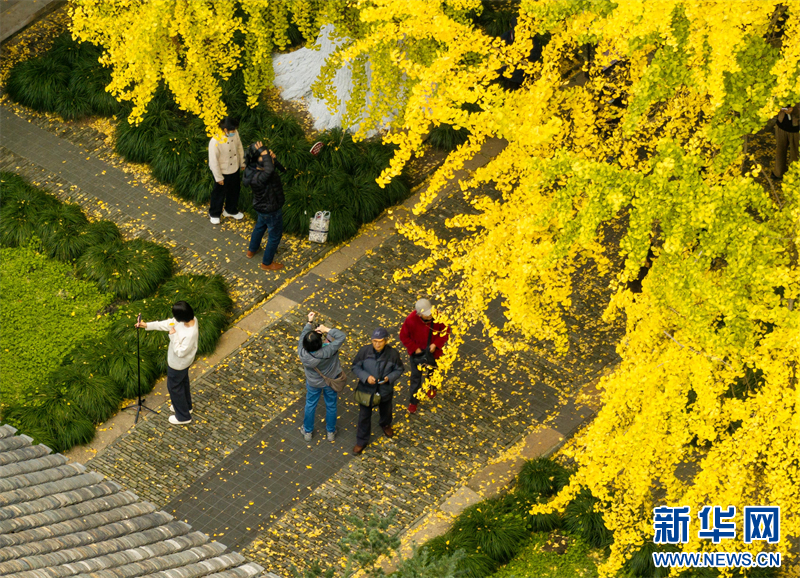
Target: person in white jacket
<point>183,336</point>
<point>225,159</point>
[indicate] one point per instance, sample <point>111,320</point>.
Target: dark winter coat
<point>388,364</point>
<point>415,331</point>
<point>266,185</point>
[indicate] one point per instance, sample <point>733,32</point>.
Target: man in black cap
<point>378,367</point>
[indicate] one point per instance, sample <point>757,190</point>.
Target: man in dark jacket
<point>262,177</point>
<point>378,367</point>
<point>424,340</point>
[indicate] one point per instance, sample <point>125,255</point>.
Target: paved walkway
<point>17,14</point>
<point>73,172</point>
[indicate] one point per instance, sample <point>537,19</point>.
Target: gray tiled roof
<point>58,519</point>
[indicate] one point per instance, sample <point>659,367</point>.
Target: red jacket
<point>414,334</point>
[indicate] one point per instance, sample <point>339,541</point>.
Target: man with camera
<point>324,374</point>
<point>378,367</point>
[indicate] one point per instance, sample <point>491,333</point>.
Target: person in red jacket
<point>424,339</point>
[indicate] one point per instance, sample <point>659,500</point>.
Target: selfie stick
<point>140,404</point>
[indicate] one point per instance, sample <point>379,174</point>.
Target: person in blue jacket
<point>320,357</point>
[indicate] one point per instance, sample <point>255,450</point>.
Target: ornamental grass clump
<point>114,356</point>
<point>446,138</point>
<point>582,518</point>
<point>129,269</point>
<point>521,504</point>
<point>67,80</point>
<point>470,563</point>
<point>62,231</point>
<point>497,532</point>
<point>21,207</point>
<point>542,477</point>
<point>54,421</point>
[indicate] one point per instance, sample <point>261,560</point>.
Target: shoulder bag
<point>335,383</point>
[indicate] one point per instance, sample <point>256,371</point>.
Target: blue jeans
<point>312,398</point>
<point>273,222</point>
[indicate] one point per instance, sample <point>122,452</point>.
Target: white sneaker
<point>331,436</point>
<point>306,435</point>
<point>237,216</point>
<point>215,220</point>
<point>172,409</point>
<point>174,420</point>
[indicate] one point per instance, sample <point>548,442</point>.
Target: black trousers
<point>417,376</point>
<point>365,419</point>
<point>226,194</point>
<point>179,394</point>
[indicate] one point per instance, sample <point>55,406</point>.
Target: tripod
<point>139,405</point>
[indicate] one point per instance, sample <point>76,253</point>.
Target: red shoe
<point>431,393</point>
<point>412,408</point>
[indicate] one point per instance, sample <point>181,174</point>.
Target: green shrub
<point>581,518</point>
<point>89,81</point>
<point>55,422</point>
<point>445,137</point>
<point>38,83</point>
<point>137,143</point>
<point>194,181</point>
<point>497,533</point>
<point>114,356</point>
<point>130,270</point>
<point>640,565</point>
<point>541,477</point>
<point>21,208</point>
<point>95,395</point>
<point>472,564</point>
<point>521,504</point>
<point>171,151</point>
<point>367,197</point>
<point>102,232</point>
<point>67,79</point>
<point>44,311</point>
<point>62,230</point>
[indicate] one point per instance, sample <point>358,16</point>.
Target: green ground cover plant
<point>44,311</point>
<point>578,560</point>
<point>57,393</point>
<point>68,80</point>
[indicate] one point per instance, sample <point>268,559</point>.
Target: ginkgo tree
<point>651,137</point>
<point>704,408</point>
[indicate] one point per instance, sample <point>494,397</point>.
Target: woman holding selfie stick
<point>183,336</point>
